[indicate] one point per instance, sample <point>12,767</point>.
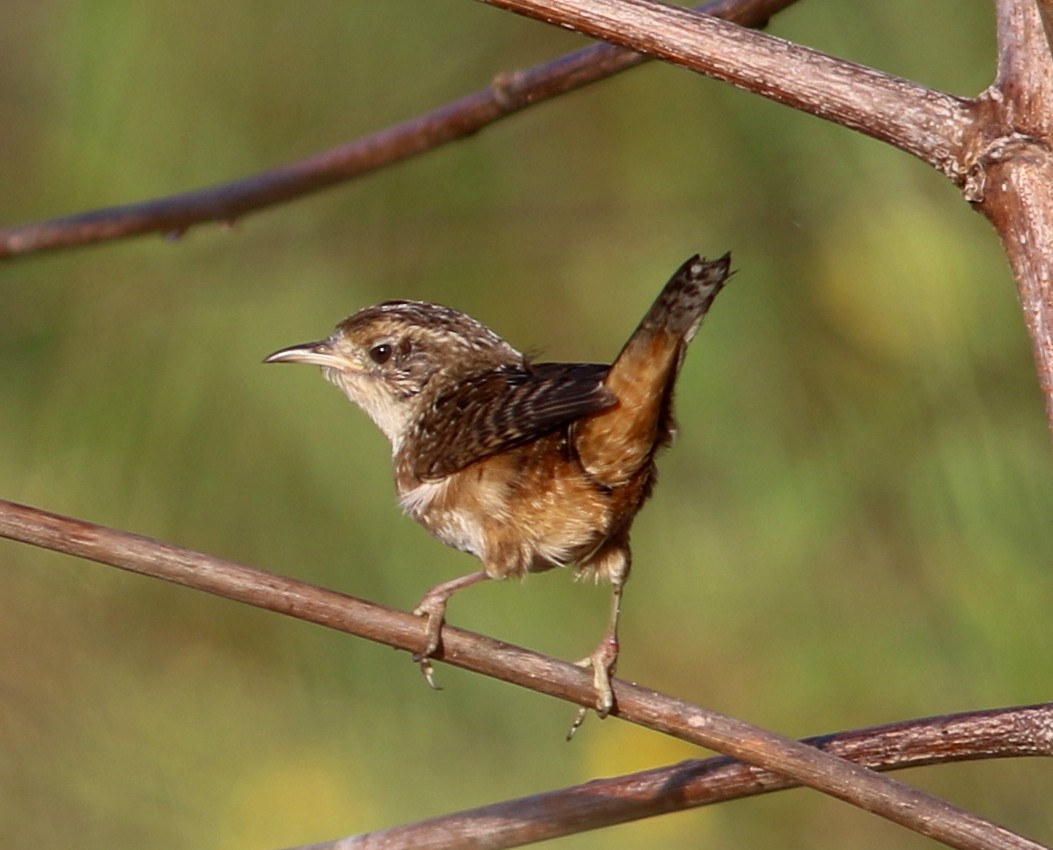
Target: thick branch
<point>792,759</point>
<point>1000,733</point>
<point>227,202</point>
<point>926,123</point>
<point>1013,171</point>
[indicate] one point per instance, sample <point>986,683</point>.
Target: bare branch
<point>228,202</point>
<point>930,125</point>
<point>998,148</point>
<point>999,733</point>
<point>1012,172</point>
<point>847,781</point>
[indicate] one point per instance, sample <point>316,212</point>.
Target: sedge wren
<point>525,465</point>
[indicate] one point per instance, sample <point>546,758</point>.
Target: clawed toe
<point>433,611</point>
<point>602,661</point>
<point>428,671</point>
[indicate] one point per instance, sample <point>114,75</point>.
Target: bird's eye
<point>380,354</point>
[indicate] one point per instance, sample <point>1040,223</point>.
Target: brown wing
<point>505,408</point>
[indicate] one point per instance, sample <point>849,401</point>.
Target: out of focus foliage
<point>854,526</point>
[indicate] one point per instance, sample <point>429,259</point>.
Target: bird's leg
<point>433,608</point>
<point>604,657</point>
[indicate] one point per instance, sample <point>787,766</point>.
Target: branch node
<point>1007,146</point>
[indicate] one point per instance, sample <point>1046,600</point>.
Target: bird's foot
<point>433,608</point>
<point>602,661</point>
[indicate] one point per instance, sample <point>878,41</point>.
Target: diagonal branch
<point>929,124</point>
<point>817,769</point>
<point>508,94</point>
<point>999,733</point>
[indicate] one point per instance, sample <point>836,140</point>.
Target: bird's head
<point>396,358</point>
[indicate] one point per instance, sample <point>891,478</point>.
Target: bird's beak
<point>313,353</point>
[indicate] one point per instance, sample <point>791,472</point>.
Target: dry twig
<point>1000,733</point>
<point>787,757</point>
<point>997,147</point>
<point>510,93</point>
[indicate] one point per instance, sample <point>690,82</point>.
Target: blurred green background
<point>854,526</point>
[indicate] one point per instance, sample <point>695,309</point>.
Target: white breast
<point>454,527</point>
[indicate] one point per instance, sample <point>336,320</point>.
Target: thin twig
<point>998,733</point>
<point>228,202</point>
<point>864,788</point>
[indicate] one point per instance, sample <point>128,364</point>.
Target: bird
<point>525,465</point>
